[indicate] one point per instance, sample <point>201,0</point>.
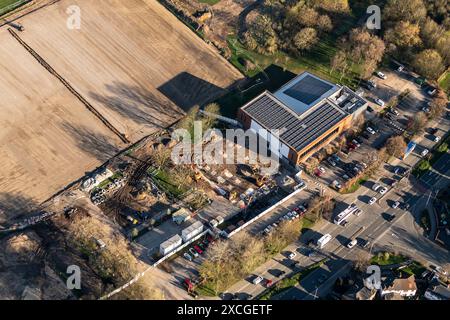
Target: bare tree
<point>395,146</point>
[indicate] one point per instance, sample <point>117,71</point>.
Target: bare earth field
<point>132,60</point>
<point>47,137</point>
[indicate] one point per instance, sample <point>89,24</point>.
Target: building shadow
<point>186,91</point>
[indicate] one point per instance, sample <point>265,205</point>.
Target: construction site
<point>75,98</point>
<point>81,109</point>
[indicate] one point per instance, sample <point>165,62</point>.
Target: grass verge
<point>386,258</point>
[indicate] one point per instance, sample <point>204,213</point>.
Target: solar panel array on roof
<point>308,89</point>
<point>297,133</point>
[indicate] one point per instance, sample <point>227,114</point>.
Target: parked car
<point>436,138</point>
<point>197,248</point>
<point>372,200</point>
<point>352,243</point>
<point>395,205</point>
<point>331,162</point>
<point>433,131</point>
<point>269,283</point>
<point>383,190</point>
<point>424,152</point>
<point>370,130</point>
<point>356,143</point>
<point>376,186</point>
<point>390,217</point>
<point>371,84</point>
<point>381,75</point>
<point>357,212</point>
<point>425,109</point>
<point>393,111</point>
<point>187,256</point>
<point>431,91</point>
<point>193,252</point>
<point>405,206</point>
<point>257,280</point>
<point>292,255</point>
<point>380,102</point>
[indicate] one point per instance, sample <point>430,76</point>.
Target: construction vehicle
<point>198,176</point>
<point>261,180</point>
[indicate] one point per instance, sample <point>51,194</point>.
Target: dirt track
<point>132,60</point>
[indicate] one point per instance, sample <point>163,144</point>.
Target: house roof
<point>296,130</point>
<point>403,284</point>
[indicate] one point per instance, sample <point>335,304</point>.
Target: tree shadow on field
<point>98,145</point>
<point>187,90</point>
<point>15,207</point>
<point>138,104</point>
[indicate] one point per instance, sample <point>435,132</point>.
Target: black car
<point>433,130</point>
<point>390,217</point>
<point>404,206</point>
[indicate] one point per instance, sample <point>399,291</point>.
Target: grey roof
<point>295,131</point>
<point>305,91</point>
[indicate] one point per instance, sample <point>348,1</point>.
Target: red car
<point>269,283</point>
<point>188,284</point>
<point>317,172</point>
<point>197,248</point>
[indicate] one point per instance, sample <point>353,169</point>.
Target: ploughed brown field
<point>131,60</point>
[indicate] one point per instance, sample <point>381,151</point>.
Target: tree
<point>209,121</point>
<point>305,39</point>
<point>400,10</point>
<point>429,63</point>
<point>261,36</point>
<point>365,47</point>
<point>430,32</point>
<point>324,23</point>
<point>396,146</point>
<point>339,61</point>
<point>417,123</point>
<point>438,105</point>
<point>403,34</point>
<point>160,156</point>
<point>443,47</point>
<point>311,164</point>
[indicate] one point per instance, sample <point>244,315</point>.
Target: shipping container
<point>191,231</point>
<point>170,245</point>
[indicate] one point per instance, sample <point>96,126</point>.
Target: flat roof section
<point>305,91</point>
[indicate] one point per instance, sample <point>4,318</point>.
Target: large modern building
<point>308,112</point>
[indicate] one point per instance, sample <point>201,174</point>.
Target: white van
<point>324,240</point>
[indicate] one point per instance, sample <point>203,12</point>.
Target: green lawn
<point>444,82</point>
<point>7,3</point>
<point>382,260</point>
<point>316,61</point>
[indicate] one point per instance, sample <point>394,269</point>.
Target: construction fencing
<point>12,6</point>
